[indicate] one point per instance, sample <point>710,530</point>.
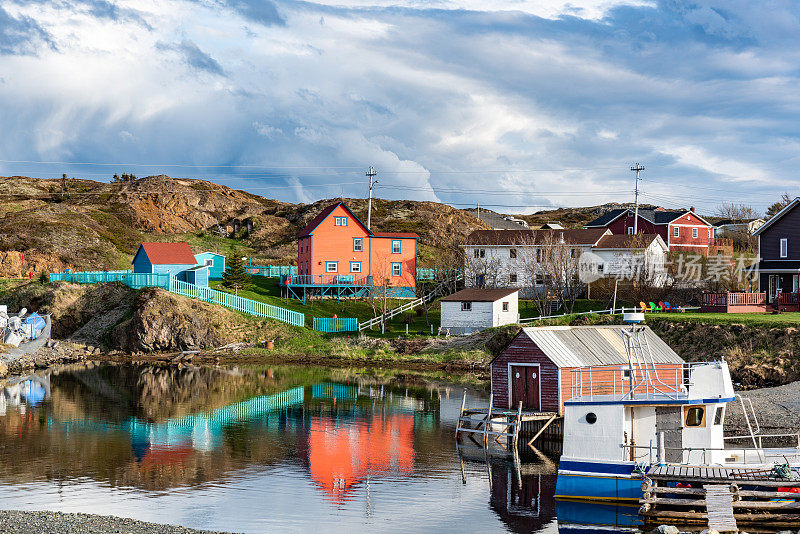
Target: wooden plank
<point>719,505</point>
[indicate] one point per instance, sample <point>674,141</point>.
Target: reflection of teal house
<point>215,263</point>
<point>175,259</point>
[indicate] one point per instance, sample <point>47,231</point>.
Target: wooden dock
<point>719,497</point>
<point>500,423</point>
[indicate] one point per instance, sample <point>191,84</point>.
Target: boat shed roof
<point>581,346</point>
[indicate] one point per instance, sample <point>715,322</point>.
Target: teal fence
<point>133,280</point>
<point>252,307</point>
<point>328,324</point>
<point>272,270</point>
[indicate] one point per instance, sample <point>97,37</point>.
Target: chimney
<point>691,209</point>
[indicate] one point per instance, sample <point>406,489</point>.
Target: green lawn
<point>753,319</point>
<point>266,290</point>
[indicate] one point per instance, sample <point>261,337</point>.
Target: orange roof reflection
<point>341,457</point>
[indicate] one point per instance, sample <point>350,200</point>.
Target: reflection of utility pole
<point>637,168</point>
<point>371,174</point>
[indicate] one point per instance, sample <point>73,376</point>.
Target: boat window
<point>695,416</point>
<point>591,418</point>
<point>718,416</point>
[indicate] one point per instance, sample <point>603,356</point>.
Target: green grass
<point>752,319</point>
<point>266,290</point>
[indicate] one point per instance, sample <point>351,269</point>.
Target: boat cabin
<point>626,426</point>
<point>540,365</point>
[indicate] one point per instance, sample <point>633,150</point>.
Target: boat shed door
<point>525,387</point>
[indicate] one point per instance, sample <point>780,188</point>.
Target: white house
<point>628,256</point>
<point>512,258</point>
<point>507,258</point>
<point>470,310</point>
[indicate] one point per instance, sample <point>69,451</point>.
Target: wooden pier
<point>719,497</point>
<point>508,424</point>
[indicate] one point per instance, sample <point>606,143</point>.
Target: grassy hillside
<point>86,225</point>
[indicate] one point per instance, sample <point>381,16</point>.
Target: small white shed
<point>472,309</point>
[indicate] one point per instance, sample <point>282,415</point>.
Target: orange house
<point>337,248</point>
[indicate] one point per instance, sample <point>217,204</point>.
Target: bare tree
<point>380,287</point>
<point>551,269</point>
<point>739,215</point>
<point>482,266</point>
<point>736,212</point>
<point>447,263</point>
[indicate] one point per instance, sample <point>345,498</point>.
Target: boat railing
<point>759,438</point>
<point>749,455</point>
<point>637,382</point>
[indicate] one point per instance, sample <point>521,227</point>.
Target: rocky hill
<point>86,225</point>
<point>574,217</point>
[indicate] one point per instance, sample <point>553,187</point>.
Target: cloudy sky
<point>516,104</point>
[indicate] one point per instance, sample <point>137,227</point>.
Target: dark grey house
<point>779,252</point>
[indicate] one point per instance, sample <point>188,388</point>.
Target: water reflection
<point>255,449</point>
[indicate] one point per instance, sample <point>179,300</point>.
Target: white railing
<point>749,455</point>
<point>408,306</point>
<point>252,307</point>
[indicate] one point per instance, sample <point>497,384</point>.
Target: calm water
<point>265,449</point>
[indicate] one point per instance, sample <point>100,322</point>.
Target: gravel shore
<point>13,522</point>
<point>777,408</point>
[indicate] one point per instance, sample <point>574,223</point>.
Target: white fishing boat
<point>626,426</point>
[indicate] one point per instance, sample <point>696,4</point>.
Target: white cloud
<point>489,105</point>
<point>587,9</point>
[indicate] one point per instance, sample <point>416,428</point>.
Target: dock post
<point>518,424</point>
<point>486,423</point>
<point>461,414</point>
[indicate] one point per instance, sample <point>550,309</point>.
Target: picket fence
<point>252,307</point>
<point>130,279</point>
<point>330,324</point>
<point>162,280</point>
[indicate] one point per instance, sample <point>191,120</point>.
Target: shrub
<point>408,318</point>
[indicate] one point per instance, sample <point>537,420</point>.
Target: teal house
<point>215,263</point>
<point>175,259</point>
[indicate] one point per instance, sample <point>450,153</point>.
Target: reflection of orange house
<point>341,457</point>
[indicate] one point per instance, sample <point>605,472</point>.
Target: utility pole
<point>371,174</point>
<point>636,168</point>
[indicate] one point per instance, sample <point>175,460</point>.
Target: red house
<point>336,248</point>
<point>539,366</point>
<point>681,230</point>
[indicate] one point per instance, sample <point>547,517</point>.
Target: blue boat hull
<point>598,482</point>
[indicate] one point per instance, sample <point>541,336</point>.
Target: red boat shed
<point>537,366</point>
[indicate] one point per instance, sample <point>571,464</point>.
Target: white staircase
<point>436,292</point>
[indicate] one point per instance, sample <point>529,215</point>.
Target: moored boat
<point>626,423</point>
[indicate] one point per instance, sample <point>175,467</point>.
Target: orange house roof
<point>169,253</point>
<point>316,221</point>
